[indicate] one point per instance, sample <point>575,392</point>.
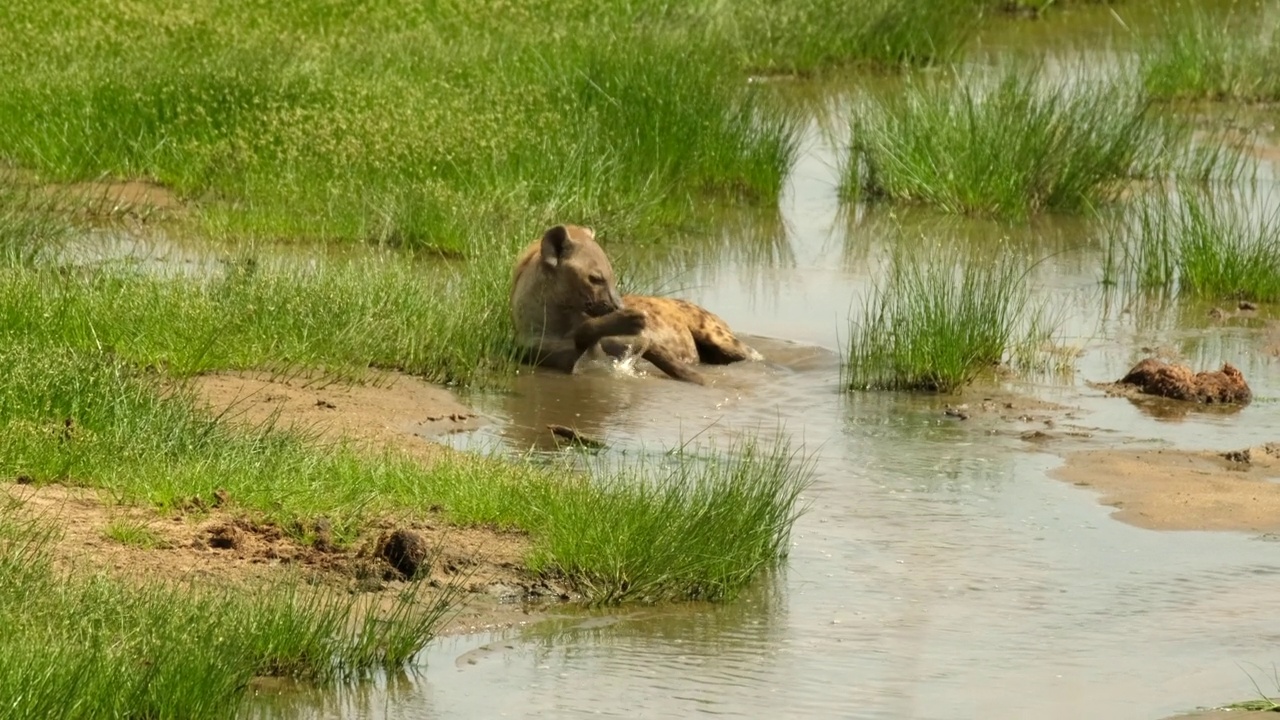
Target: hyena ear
<point>555,245</point>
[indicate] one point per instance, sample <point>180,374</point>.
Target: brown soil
<point>220,544</point>
<point>389,409</point>
<point>109,197</point>
<point>1180,490</point>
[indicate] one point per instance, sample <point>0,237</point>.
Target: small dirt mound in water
<point>1157,377</point>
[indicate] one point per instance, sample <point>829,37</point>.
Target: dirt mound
<point>1153,376</point>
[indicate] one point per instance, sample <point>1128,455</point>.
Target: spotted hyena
<point>565,303</point>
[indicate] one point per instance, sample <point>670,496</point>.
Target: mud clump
<point>406,551</point>
<point>225,537</point>
<point>1244,456</point>
<point>1177,382</point>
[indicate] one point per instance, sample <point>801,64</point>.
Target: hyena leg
<point>562,356</point>
<point>668,364</point>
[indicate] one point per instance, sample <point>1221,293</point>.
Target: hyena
<point>565,303</point>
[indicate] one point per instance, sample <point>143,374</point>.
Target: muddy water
<point>939,573</point>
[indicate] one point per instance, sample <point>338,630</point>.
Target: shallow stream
<point>939,572</point>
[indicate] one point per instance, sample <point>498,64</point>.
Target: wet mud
<point>1236,490</point>
<point>384,409</point>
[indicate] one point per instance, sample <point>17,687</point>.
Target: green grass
<point>1014,145</point>
<point>133,533</point>
<point>698,528</point>
<point>1197,244</point>
<point>1202,53</point>
<point>936,323</point>
<point>30,226</point>
<point>83,646</point>
<point>441,126</point>
<point>812,35</point>
<point>446,321</point>
<point>87,418</point>
<point>1262,703</point>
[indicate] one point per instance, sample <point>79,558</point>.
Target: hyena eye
<point>596,279</point>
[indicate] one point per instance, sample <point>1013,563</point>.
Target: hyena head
<point>580,275</point>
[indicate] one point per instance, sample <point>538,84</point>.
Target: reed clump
<point>1209,54</point>
<point>1200,244</point>
<point>1014,145</point>
<point>938,321</point>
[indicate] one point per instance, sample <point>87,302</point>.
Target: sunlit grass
<point>84,646</point>
<point>696,527</point>
<point>133,533</point>
<point>445,321</point>
<point>407,124</point>
<point>1198,244</point>
<point>30,225</point>
<point>814,35</point>
<point>938,321</point>
<point>1014,145</point>
<point>1202,53</point>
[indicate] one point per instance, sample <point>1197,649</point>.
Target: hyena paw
<point>627,321</point>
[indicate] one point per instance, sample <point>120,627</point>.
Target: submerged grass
<point>936,324</point>
<point>86,646</point>
<point>1197,244</point>
<point>1014,146</point>
<point>1202,53</point>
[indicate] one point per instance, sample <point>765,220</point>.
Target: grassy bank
<point>1197,244</point>
<point>701,529</point>
<point>1213,54</point>
<point>446,322</point>
<point>88,647</point>
<point>1013,145</point>
<point>934,324</point>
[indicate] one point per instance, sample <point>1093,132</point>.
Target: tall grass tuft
<point>934,324</point>
<point>30,227</point>
<point>1202,53</point>
<point>83,646</point>
<point>1009,147</point>
<point>446,321</point>
<point>696,528</point>
<point>1198,244</point>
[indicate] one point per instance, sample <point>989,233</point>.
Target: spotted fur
<point>565,303</point>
